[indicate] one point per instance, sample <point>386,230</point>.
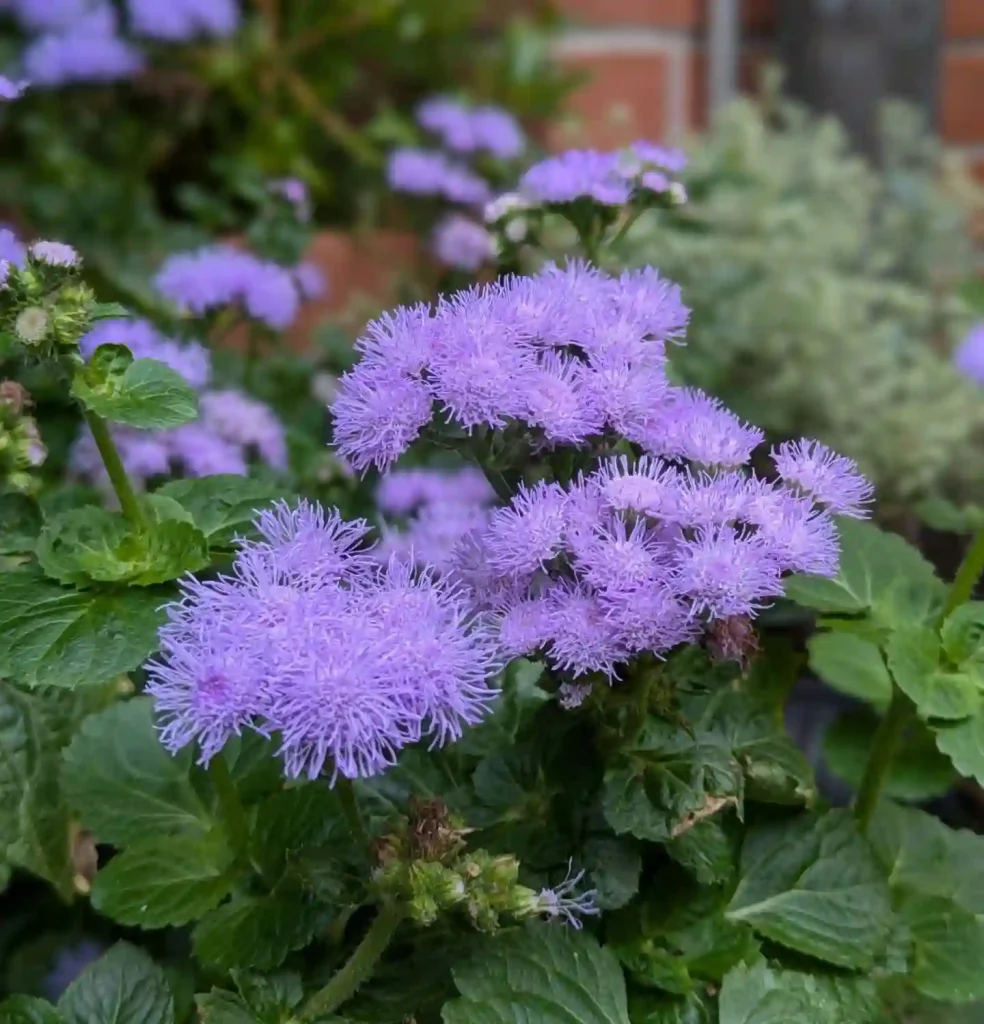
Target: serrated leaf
<point>543,974</point>
<point>257,932</point>
<point>695,1008</point>
<point>29,1010</point>
<point>125,784</point>
<point>948,948</point>
<point>918,772</point>
<point>223,506</point>
<point>221,1007</point>
<point>164,881</point>
<point>879,573</point>
<point>16,762</point>
<point>614,866</point>
<point>706,850</point>
<point>962,633</point>
<point>851,664</point>
<point>55,636</point>
<point>914,661</point>
<point>271,997</point>
<point>142,393</point>
<point>122,987</point>
<point>963,744</point>
<point>109,311</point>
<point>20,524</point>
<point>816,888</point>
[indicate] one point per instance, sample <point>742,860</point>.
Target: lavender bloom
<point>84,50</point>
<point>68,963</point>
<point>55,254</point>
<point>403,491</point>
<point>576,174</point>
<point>295,192</point>
<point>196,450</point>
<point>969,356</point>
<point>461,242</point>
<point>213,277</point>
<point>190,359</point>
<point>243,421</point>
<point>449,120</point>
<point>831,480</point>
<point>562,904</point>
<point>425,173</point>
<point>10,90</point>
<point>471,130</point>
<point>176,21</point>
<point>310,280</point>
<point>497,132</point>
<point>11,249</point>
<point>348,663</point>
<point>51,15</point>
<point>664,158</point>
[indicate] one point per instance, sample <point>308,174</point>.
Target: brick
<point>676,14</point>
<point>963,19</point>
<point>624,97</point>
<point>751,62</point>
<point>962,119</point>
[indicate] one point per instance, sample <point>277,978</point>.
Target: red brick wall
<point>645,68</point>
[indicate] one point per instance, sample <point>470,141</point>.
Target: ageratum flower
<point>142,338</point>
<point>11,248</point>
<point>346,661</point>
<point>177,21</point>
<point>968,358</point>
<point>50,15</point>
<point>55,254</point>
<point>10,90</point>
<point>85,49</point>
<point>213,277</point>
<point>423,172</point>
<point>568,353</point>
<point>460,242</point>
<point>465,129</point>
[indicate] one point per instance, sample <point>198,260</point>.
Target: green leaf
<point>163,881</point>
<point>645,1008</point>
<point>706,850</point>
<point>28,1010</point>
<point>879,573</point>
<point>20,519</point>
<point>109,311</point>
<point>914,661</point>
<point>123,987</point>
<point>222,507</point>
<point>615,866</point>
<point>16,762</point>
<point>963,744</point>
<point>93,545</point>
<point>543,974</point>
<point>257,932</point>
<point>919,772</point>
<point>962,633</point>
<point>948,948</point>
<point>853,665</point>
<point>53,636</point>
<point>271,997</point>
<point>125,784</point>
<point>221,1007</point>
<point>141,393</point>
<point>816,888</point>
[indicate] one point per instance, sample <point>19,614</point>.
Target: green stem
<point>884,747</point>
<point>114,468</point>
<point>625,228</point>
<point>350,808</point>
<point>231,808</point>
<point>967,576</point>
<point>360,965</point>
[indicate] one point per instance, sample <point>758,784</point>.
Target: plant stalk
<point>967,576</point>
<point>885,746</point>
<point>114,468</point>
<point>360,965</point>
<point>350,808</point>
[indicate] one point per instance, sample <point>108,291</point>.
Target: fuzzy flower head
<point>462,243</point>
<point>567,353</point>
<point>424,172</point>
<point>468,130</point>
<point>969,356</point>
<point>55,254</point>
<point>831,480</point>
<point>85,48</point>
<point>566,904</point>
<point>214,277</point>
<point>177,21</point>
<point>344,660</point>
<point>12,250</point>
<point>11,90</point>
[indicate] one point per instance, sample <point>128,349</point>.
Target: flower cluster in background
<point>233,428</point>
<point>346,660</point>
<point>86,41</point>
<point>969,356</point>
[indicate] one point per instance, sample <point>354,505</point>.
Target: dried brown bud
<point>14,395</point>
<point>733,639</point>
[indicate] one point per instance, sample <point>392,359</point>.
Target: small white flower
<point>515,230</point>
<point>509,202</point>
<point>678,193</point>
<point>31,325</point>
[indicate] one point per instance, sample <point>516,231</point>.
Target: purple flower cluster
<point>440,509</point>
<point>968,358</point>
<point>465,129</point>
<point>423,172</point>
<point>608,178</point>
<point>571,353</point>
<point>12,250</point>
<point>311,640</point>
<point>210,278</point>
<point>463,243</point>
<point>176,21</point>
<point>143,339</point>
<point>11,90</point>
<point>85,47</point>
<point>644,554</point>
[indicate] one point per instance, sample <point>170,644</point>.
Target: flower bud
<point>31,325</point>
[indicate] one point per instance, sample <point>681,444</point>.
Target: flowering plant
<point>513,749</point>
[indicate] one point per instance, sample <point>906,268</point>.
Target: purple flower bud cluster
<point>212,277</point>
<point>644,554</point>
<point>440,510</point>
<point>570,353</point>
<point>143,339</point>
<point>176,21</point>
<point>968,358</point>
<point>12,250</point>
<point>608,178</point>
<point>423,172</point>
<point>462,242</point>
<point>11,90</point>
<point>465,129</point>
<point>311,640</point>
